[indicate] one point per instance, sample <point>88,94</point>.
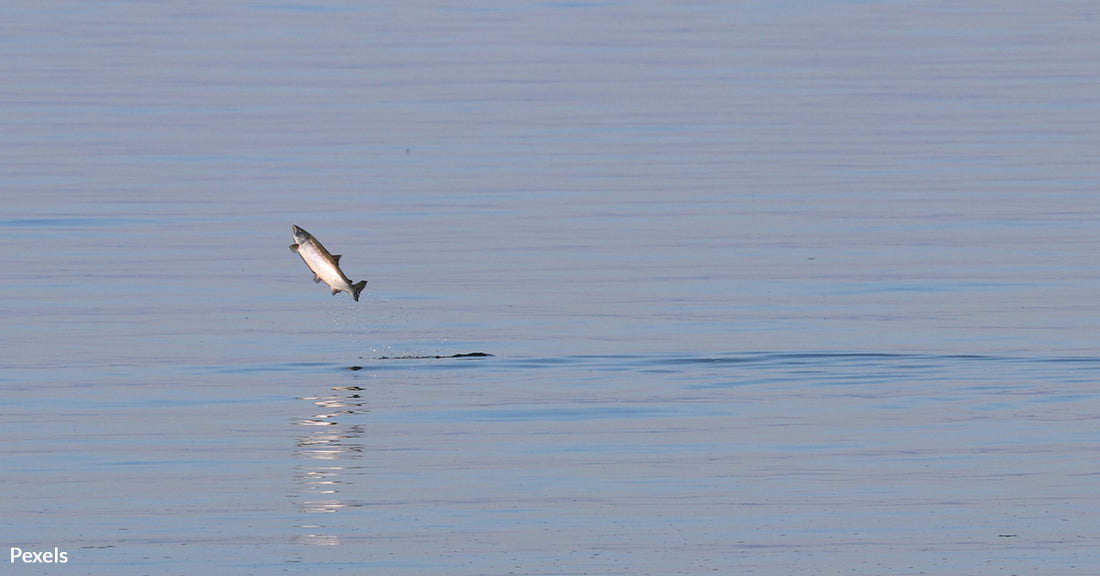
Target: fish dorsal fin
<point>336,259</point>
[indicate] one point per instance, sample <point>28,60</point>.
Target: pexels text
<point>44,557</point>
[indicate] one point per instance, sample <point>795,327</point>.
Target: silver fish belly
<point>325,266</point>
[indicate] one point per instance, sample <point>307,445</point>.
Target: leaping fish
<point>325,266</point>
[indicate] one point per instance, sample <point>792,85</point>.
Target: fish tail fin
<point>357,288</point>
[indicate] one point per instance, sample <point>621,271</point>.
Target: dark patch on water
<point>436,357</point>
<point>428,357</point>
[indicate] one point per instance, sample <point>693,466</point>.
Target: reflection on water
<point>327,456</point>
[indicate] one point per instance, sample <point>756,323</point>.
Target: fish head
<point>300,235</point>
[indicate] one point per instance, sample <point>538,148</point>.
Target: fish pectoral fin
<point>293,247</point>
<point>336,258</point>
<point>316,279</point>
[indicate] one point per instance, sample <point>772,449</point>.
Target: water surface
<point>766,287</point>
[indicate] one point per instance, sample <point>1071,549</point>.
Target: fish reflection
<point>327,452</point>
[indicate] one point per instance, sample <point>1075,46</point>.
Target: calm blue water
<point>769,288</point>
